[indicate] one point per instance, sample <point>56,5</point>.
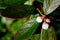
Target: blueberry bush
<point>29,19</point>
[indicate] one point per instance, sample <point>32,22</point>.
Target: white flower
<point>39,19</point>
<point>45,26</point>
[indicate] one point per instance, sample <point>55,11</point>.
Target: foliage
<point>18,20</point>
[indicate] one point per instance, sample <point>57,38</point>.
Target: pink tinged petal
<point>48,20</point>
<point>39,19</point>
<point>45,26</point>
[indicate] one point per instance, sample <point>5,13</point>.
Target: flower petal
<point>45,26</point>
<point>48,20</point>
<point>39,19</point>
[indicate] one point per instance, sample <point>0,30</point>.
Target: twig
<point>39,11</point>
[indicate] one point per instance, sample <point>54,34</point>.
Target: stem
<point>39,11</point>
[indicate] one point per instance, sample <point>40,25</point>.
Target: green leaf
<point>52,34</point>
<point>43,35</point>
<point>48,34</point>
<point>50,6</point>
<point>34,37</point>
<point>27,30</point>
<point>29,2</point>
<point>7,36</point>
<point>13,2</point>
<point>42,1</point>
<point>16,25</point>
<point>2,7</point>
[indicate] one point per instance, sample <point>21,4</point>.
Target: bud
<point>39,19</point>
<point>45,26</point>
<point>48,20</point>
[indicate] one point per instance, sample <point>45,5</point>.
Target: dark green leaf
<point>41,1</point>
<point>55,15</point>
<point>56,27</point>
<point>18,11</point>
<point>12,2</point>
